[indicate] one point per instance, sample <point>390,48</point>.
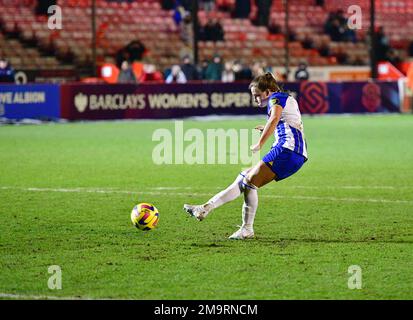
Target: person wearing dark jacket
<point>242,9</point>
<point>6,72</point>
<point>302,73</point>
<point>263,14</point>
<point>190,71</point>
<point>167,4</point>
<point>42,6</point>
<point>212,31</point>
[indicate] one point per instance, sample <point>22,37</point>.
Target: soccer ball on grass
<point>145,216</point>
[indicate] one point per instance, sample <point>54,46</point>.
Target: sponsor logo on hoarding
<point>176,100</point>
<point>371,98</point>
<point>81,102</point>
<point>34,101</point>
<point>27,97</point>
<point>85,102</point>
<point>108,101</point>
<point>314,97</point>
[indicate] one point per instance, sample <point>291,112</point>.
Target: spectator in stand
<point>186,30</point>
<point>212,31</point>
<point>341,18</point>
<point>242,9</point>
<point>319,3</point>
<point>336,26</point>
<point>133,52</point>
<point>292,36</point>
<point>176,75</point>
<point>136,50</point>
<point>410,51</point>
<point>179,13</point>
<point>151,74</point>
<point>349,34</point>
<point>336,30</point>
<point>382,44</point>
<point>207,5</point>
<point>168,4</point>
<point>330,26</point>
<point>206,32</point>
<point>6,72</point>
<point>126,74</point>
<point>307,42</point>
<point>263,14</point>
<point>228,74</point>
<point>342,57</point>
<point>203,68</point>
<point>214,69</point>
<point>186,51</point>
<point>187,4</point>
<point>121,56</point>
<point>189,69</point>
<point>218,31</point>
<point>302,73</point>
<point>273,27</point>
<point>242,73</point>
<point>324,49</point>
<point>42,6</point>
<point>327,23</point>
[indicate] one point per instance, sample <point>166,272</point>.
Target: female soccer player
<point>286,156</point>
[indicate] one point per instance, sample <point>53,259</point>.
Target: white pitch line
<point>187,194</point>
<point>342,199</point>
<point>351,187</point>
<point>298,187</point>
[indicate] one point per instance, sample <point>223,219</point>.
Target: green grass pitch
<point>66,192</point>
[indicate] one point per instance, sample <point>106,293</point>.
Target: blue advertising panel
<point>34,101</point>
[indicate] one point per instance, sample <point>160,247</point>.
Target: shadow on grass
<point>285,242</point>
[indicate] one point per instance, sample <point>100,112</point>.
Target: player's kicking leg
<point>247,183</point>
<point>230,193</point>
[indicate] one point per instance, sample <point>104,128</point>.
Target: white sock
<point>249,208</point>
<point>232,192</point>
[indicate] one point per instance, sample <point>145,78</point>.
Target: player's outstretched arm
<point>269,127</point>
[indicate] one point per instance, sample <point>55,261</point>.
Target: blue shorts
<point>283,162</point>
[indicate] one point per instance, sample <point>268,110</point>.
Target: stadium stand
<point>28,43</point>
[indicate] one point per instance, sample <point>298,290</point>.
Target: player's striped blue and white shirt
<point>290,130</point>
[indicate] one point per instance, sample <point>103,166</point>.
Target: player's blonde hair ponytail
<point>265,82</point>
